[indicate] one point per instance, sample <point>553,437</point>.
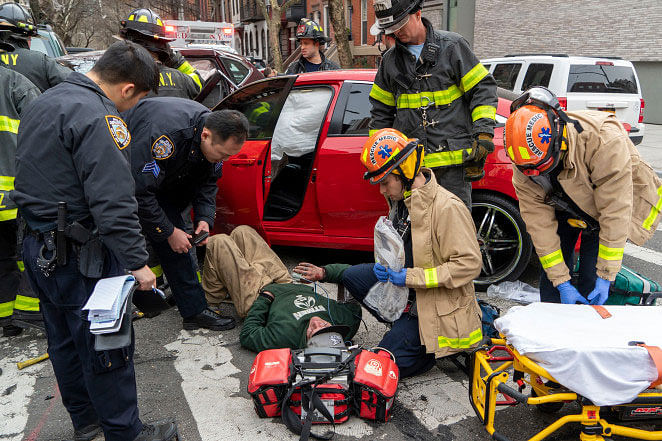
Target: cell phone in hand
<point>198,238</point>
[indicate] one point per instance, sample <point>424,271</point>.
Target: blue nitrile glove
<point>570,295</point>
<point>381,272</point>
<point>600,293</point>
<point>398,278</point>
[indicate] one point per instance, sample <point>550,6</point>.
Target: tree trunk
<point>273,25</point>
<point>337,12</point>
<point>36,10</point>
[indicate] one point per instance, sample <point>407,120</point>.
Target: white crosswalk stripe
<point>643,253</point>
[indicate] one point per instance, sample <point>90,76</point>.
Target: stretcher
<point>501,375</point>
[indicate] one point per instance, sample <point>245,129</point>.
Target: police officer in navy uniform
<point>72,148</point>
<point>176,158</point>
<point>177,76</point>
<point>39,68</point>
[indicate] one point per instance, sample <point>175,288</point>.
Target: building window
<point>364,21</point>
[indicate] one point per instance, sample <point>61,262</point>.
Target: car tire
<point>504,243</point>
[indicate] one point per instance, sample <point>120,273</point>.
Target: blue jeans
<point>403,339</point>
<point>95,386</point>
<point>588,258</point>
<point>180,269</point>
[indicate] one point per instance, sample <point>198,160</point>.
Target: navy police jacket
<point>167,163</point>
<point>72,147</point>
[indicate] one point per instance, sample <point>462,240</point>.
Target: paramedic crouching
<point>442,257</point>
<point>578,173</point>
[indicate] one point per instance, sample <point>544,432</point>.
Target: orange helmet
<point>389,151</point>
<point>535,132</point>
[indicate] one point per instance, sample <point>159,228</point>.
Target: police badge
<point>118,131</point>
<point>162,148</point>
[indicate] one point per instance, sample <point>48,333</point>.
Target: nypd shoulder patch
<point>162,148</point>
<point>118,131</point>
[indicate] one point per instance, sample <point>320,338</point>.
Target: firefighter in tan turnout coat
<point>442,257</point>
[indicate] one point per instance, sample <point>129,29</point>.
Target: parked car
<point>48,42</point>
<point>609,84</point>
<point>298,179</point>
<point>222,70</point>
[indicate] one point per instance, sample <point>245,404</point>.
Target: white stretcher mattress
<point>586,353</point>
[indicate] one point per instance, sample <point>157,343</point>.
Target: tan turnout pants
<point>239,265</point>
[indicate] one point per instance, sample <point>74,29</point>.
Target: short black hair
<point>225,123</point>
<point>128,62</point>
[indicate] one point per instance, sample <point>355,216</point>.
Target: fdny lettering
<point>9,59</point>
<point>314,309</point>
<point>166,80</point>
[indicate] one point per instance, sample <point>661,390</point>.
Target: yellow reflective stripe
<point>364,158</point>
<point>8,124</point>
<point>6,309</point>
<point>444,159</point>
<point>510,153</point>
<point>552,259</point>
<point>6,183</point>
<point>142,19</point>
<point>131,17</point>
<point>524,153</point>
<point>437,97</point>
<point>607,253</point>
<point>382,95</point>
<point>157,270</point>
<point>159,22</point>
<point>461,343</point>
<point>431,280</point>
<point>479,112</point>
<point>473,77</point>
<point>8,214</point>
<point>24,303</point>
<point>21,266</point>
<point>655,211</point>
<point>372,132</point>
<point>199,276</point>
<point>189,70</point>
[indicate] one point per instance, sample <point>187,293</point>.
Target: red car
<point>299,182</point>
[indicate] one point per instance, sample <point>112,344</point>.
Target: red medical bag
<point>270,380</point>
<point>375,383</point>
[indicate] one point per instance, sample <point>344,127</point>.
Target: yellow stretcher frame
<point>489,373</point>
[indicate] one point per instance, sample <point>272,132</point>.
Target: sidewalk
<point>651,147</point>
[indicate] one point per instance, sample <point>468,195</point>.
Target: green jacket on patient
<point>282,323</point>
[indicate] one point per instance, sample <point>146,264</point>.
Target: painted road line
<point>645,254</point>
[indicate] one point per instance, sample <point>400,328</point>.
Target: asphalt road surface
<point>200,377</point>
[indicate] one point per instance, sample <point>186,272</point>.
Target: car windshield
<point>599,78</point>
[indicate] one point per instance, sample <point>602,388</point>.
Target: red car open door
<point>242,188</point>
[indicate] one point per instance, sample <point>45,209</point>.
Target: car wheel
<point>504,243</point>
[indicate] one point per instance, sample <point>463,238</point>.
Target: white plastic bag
<point>388,300</point>
<point>517,291</point>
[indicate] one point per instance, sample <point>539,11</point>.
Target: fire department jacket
<point>282,323</point>
<point>446,261</point>
<point>16,93</point>
<point>168,165</point>
<point>39,68</point>
<point>448,76</point>
<point>183,82</point>
<point>73,147</point>
<point>297,66</point>
<point>604,175</point>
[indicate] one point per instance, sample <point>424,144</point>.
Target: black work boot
<point>210,320</point>
<point>162,431</point>
<point>11,331</point>
<point>28,319</point>
<point>87,433</point>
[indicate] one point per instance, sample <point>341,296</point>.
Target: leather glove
<point>381,272</point>
<point>570,295</point>
<point>475,162</point>
<point>600,293</point>
<point>398,278</point>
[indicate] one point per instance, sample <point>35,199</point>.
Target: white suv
<point>607,84</point>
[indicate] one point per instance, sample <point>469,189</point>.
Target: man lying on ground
<point>279,313</point>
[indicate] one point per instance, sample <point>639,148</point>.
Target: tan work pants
<point>240,264</point>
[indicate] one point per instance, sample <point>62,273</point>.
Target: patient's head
<point>315,325</point>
